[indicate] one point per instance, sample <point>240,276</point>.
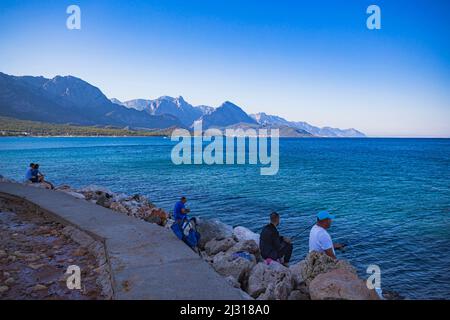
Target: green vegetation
<point>15,127</point>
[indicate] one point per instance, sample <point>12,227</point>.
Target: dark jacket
<point>270,242</point>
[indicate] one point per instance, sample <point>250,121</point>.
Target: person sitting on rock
<point>272,245</point>
<point>180,211</point>
<point>320,239</point>
<point>38,177</point>
<point>29,174</point>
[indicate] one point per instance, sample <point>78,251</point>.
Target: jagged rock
<point>39,185</point>
<point>39,287</point>
<point>104,201</point>
<point>316,263</point>
<point>212,229</point>
<point>267,282</point>
<point>249,246</point>
<point>296,271</point>
<point>62,187</point>
<point>3,289</point>
<point>233,282</point>
<point>340,284</point>
<point>94,188</point>
<point>242,234</point>
<point>3,254</point>
<point>298,295</point>
<point>392,295</point>
<point>214,246</point>
<point>158,216</point>
<point>117,206</point>
<point>233,265</point>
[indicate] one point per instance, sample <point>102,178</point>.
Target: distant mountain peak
<point>225,115</point>
<point>228,104</point>
<point>68,99</point>
<point>272,120</point>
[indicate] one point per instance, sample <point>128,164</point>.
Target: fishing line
<point>334,210</point>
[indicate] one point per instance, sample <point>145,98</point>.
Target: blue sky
<point>311,61</point>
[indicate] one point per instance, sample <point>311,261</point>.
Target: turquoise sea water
<point>400,220</point>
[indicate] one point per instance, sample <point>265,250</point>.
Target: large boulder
<point>104,200</point>
<point>117,206</point>
<point>214,246</point>
<point>242,234</point>
<point>298,295</point>
<point>212,229</point>
<point>340,284</point>
<point>235,265</point>
<point>316,263</point>
<point>270,281</point>
<point>296,271</point>
<point>249,246</point>
<point>154,215</point>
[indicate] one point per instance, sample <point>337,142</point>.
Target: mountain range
<point>70,100</point>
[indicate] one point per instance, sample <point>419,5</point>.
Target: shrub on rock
<point>316,263</point>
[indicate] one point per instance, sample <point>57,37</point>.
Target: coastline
<point>234,254</point>
<point>168,136</point>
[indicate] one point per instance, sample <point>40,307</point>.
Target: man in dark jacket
<point>273,245</point>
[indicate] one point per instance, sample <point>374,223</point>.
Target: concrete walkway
<point>147,261</point>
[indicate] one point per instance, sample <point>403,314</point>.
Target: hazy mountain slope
<point>164,105</point>
<point>271,120</point>
<point>226,115</point>
<point>69,100</point>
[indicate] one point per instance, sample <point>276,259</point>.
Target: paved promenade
<point>147,261</point>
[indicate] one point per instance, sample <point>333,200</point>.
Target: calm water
<point>400,221</point>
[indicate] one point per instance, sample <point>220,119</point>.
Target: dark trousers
<point>285,251</point>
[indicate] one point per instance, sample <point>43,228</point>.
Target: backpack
<point>187,232</point>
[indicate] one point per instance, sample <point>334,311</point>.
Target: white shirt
<point>319,239</point>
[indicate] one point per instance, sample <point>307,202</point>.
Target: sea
<point>390,197</point>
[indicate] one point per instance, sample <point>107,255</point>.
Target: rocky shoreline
<point>234,254</point>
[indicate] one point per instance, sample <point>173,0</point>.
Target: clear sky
<point>311,61</point>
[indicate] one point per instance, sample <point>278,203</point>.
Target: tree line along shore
<point>10,127</point>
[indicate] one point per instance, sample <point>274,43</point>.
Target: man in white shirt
<point>319,238</point>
